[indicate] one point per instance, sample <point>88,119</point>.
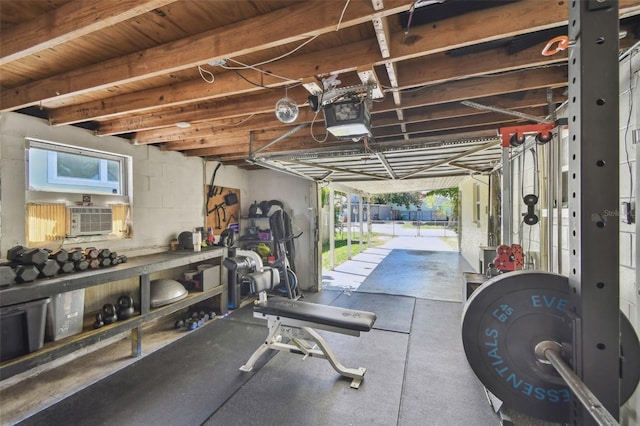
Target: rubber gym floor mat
<point>440,387</point>
<point>432,275</point>
<point>181,384</point>
<point>394,313</point>
<point>290,390</point>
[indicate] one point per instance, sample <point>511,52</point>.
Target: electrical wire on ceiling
<point>313,136</point>
<point>344,9</point>
<point>254,67</point>
<point>243,120</point>
<point>202,71</point>
<point>277,58</point>
<point>411,10</point>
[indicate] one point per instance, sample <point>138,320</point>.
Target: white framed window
<point>62,168</point>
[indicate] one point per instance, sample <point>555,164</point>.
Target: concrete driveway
<point>349,275</point>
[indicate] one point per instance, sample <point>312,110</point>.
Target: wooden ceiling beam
<point>335,60</point>
<point>217,132</point>
<point>494,23</point>
<point>531,98</point>
<point>222,126</point>
<point>68,22</point>
<point>479,87</point>
<point>455,91</point>
<point>226,84</point>
<point>286,25</point>
<point>291,144</point>
<point>260,138</point>
<point>262,103</point>
<point>451,124</point>
<point>439,68</point>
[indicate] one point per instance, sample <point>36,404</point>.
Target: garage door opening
<point>393,251</point>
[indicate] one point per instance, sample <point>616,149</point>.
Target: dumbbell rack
<point>142,267</point>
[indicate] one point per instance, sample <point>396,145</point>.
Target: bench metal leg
<point>357,374</point>
<point>299,338</point>
<point>272,338</point>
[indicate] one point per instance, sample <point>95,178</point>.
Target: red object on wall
<point>509,258</point>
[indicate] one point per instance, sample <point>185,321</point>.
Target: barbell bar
<point>551,352</point>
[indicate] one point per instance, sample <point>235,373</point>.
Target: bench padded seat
<point>320,314</point>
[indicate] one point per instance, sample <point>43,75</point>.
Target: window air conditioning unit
<point>348,119</point>
<point>89,221</point>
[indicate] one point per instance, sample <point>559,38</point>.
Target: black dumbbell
<point>66,267</point>
<point>80,265</point>
<point>26,273</point>
<point>90,253</point>
<point>59,255</point>
<point>27,256</point>
<point>113,255</point>
<point>104,253</point>
<point>7,275</point>
<point>122,259</point>
<point>105,261</point>
<point>75,254</point>
<point>48,269</point>
<point>14,251</point>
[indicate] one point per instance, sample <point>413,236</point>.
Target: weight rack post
<point>551,352</point>
<point>594,200</point>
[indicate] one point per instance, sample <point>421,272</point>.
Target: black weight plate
<point>502,323</point>
<point>630,354</point>
<point>530,199</point>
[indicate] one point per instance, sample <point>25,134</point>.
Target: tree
<point>402,199</point>
<point>449,193</point>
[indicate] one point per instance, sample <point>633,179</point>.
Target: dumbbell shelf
<point>141,267</point>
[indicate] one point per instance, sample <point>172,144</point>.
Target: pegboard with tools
<point>223,207</point>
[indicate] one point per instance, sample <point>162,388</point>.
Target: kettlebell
<point>125,307</point>
<point>98,322</point>
<point>109,314</point>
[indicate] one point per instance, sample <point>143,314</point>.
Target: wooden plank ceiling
<point>136,69</point>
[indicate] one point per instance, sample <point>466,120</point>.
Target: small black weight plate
<point>502,323</point>
<point>530,199</point>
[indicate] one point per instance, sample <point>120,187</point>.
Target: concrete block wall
<point>629,121</point>
<point>629,192</point>
<point>167,186</point>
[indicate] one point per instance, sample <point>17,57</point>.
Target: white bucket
<point>204,266</point>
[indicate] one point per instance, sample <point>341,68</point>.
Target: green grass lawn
<point>341,247</point>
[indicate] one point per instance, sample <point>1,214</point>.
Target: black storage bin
<point>22,328</point>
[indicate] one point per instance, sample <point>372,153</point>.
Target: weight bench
<point>297,321</point>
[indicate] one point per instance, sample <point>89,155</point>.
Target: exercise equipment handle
<point>579,389</point>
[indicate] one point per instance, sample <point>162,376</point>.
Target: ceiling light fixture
<point>183,124</point>
<point>286,109</point>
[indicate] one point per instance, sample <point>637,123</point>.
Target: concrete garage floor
<point>416,369</point>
